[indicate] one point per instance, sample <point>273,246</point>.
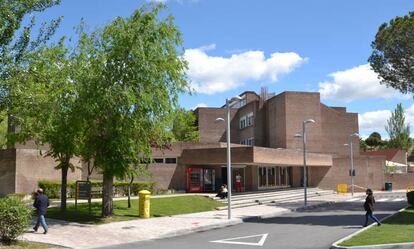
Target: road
<point>314,229</point>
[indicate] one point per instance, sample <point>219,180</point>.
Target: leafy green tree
<point>393,53</point>
<point>16,42</point>
<point>398,130</point>
<point>363,145</point>
<point>184,126</point>
<point>374,140</point>
<point>44,106</point>
<point>135,72</point>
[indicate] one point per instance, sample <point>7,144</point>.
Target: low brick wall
<point>400,181</point>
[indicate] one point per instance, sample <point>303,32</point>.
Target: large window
<point>246,120</point>
<point>248,141</point>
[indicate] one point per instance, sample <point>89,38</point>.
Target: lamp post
<point>229,103</point>
<point>351,156</point>
<point>305,170</point>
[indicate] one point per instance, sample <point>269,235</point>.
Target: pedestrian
<point>369,207</point>
<point>238,183</point>
<point>222,192</point>
<point>41,203</point>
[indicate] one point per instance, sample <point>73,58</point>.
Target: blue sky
<point>233,46</point>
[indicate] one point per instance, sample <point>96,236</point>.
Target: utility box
<point>144,203</point>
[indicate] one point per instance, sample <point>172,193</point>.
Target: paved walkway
<point>76,235</point>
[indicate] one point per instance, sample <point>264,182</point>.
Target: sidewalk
<point>76,235</point>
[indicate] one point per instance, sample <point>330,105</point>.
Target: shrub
<point>410,198</point>
<point>14,219</point>
<point>52,188</point>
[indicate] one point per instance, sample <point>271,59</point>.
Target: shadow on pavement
<point>351,220</point>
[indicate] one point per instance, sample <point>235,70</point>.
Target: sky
<point>234,46</point>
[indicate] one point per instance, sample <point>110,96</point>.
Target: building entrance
<point>273,177</point>
<point>238,177</point>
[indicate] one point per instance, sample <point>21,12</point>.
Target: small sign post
<point>83,192</point>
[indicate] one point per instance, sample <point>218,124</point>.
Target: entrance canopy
<point>254,155</point>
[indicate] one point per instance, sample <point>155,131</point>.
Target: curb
<point>379,246</point>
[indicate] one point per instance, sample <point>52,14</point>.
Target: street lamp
<point>229,103</point>
<point>351,155</point>
<point>305,173</point>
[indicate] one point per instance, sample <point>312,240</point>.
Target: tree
<point>135,72</point>
<point>393,53</point>
<point>363,145</point>
<point>44,106</point>
<point>184,126</point>
<point>374,140</point>
<point>398,130</point>
<point>14,47</point>
<point>132,172</point>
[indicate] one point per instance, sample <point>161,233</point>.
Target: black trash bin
<point>388,186</point>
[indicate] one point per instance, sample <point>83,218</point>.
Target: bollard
<point>144,203</point>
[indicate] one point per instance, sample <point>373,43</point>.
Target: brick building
<point>265,152</point>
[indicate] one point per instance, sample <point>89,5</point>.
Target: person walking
<point>369,208</point>
<point>41,203</point>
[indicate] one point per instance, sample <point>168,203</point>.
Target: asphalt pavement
<point>315,229</point>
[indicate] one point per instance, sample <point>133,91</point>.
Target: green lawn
<point>26,244</point>
<point>159,207</point>
<point>398,229</point>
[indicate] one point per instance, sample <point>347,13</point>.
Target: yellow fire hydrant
<point>144,203</point>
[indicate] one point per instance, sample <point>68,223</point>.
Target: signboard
<point>83,190</point>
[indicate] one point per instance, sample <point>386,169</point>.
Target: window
<point>171,160</point>
<point>250,119</point>
<point>247,141</point>
<point>158,160</point>
<point>246,120</point>
<point>250,141</point>
<point>243,122</point>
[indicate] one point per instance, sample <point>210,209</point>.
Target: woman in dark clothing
<point>369,207</point>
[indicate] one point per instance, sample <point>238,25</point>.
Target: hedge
<point>410,198</point>
<point>52,188</point>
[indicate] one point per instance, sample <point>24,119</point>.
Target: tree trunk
<point>63,188</point>
<point>129,192</point>
<point>107,208</point>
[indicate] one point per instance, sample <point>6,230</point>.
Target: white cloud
<point>374,121</point>
<point>377,120</point>
<point>359,82</point>
<point>199,105</point>
<point>215,74</point>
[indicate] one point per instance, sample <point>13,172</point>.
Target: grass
<point>26,244</point>
<point>397,229</point>
<point>159,207</point>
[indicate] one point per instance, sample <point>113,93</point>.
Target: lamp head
<point>219,119</point>
<point>346,144</point>
<point>354,134</point>
<point>298,135</point>
<point>309,121</point>
<point>236,98</point>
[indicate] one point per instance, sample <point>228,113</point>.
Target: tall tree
<point>16,41</point>
<point>398,130</point>
<point>184,126</point>
<point>393,53</point>
<point>136,71</point>
<point>44,98</point>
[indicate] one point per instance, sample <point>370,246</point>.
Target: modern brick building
<point>265,151</point>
